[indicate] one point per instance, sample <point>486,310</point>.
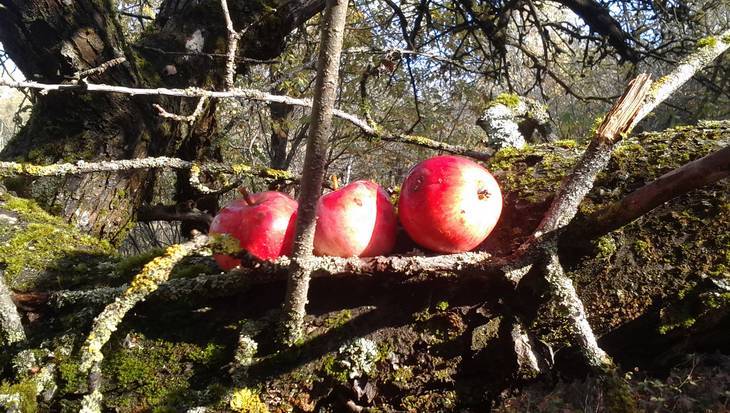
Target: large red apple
<point>263,223</point>
<point>449,204</point>
<point>357,220</point>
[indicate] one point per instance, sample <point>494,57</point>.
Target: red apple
<point>449,204</point>
<point>357,220</point>
<point>263,223</point>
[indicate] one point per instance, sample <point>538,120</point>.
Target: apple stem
<point>483,193</point>
<point>246,195</point>
<point>335,182</point>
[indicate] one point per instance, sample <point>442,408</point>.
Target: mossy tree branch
<point>696,174</point>
<point>328,64</point>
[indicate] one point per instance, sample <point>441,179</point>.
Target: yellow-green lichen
<point>338,319</point>
<point>709,41</point>
<point>606,247</point>
<point>567,143</point>
<point>510,100</point>
<point>246,400</point>
<point>156,374</point>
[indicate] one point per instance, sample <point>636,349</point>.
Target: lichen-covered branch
<point>255,95</point>
<point>8,169</point>
<point>501,120</point>
<point>455,266</point>
<point>153,274</point>
<point>325,92</point>
<point>182,118</point>
<point>709,49</point>
<point>11,328</point>
<point>577,185</point>
<point>233,37</point>
<point>566,298</point>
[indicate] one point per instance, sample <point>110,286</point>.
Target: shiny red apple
<point>449,204</point>
<point>357,220</point>
<point>263,223</point>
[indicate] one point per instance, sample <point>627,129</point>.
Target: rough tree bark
<point>51,41</point>
<point>325,92</point>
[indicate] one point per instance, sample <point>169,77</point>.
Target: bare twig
<point>233,37</point>
<point>100,69</point>
<point>325,91</point>
<point>191,118</point>
<point>153,274</point>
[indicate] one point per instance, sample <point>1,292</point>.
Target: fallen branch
<point>153,274</point>
<point>457,267</point>
<point>574,314</point>
<point>696,174</point>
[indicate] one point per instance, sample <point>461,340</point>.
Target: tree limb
<point>255,95</point>
<point>600,21</point>
<point>325,91</point>
<point>693,175</point>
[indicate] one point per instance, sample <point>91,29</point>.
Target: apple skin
<point>263,223</point>
<point>357,220</point>
<point>440,204</point>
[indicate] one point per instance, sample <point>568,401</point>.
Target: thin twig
<point>233,37</point>
<point>191,118</point>
<point>99,69</point>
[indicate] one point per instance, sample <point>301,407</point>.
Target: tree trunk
<point>51,41</point>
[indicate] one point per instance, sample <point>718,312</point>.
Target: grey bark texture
<point>328,65</point>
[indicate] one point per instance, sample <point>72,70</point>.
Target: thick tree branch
<point>696,174</point>
<point>325,91</point>
<point>456,267</point>
<point>600,21</point>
